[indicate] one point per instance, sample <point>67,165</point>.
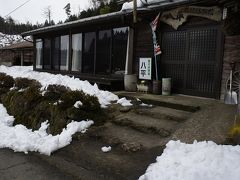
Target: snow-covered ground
<point>197,161</point>
<point>21,139</point>
<point>6,39</point>
<point>105,97</point>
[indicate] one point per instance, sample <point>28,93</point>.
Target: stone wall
<point>231,54</point>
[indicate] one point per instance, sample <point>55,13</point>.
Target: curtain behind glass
<point>39,53</point>
<point>77,52</point>
<point>64,52</point>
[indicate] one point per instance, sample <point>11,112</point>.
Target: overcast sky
<point>33,10</point>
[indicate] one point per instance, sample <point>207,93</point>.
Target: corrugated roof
<point>24,44</point>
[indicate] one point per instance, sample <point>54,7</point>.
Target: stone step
<point>164,113</point>
<point>183,103</point>
<point>120,135</point>
<point>86,155</point>
<point>146,124</point>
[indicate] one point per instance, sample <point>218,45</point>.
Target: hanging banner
<point>177,17</point>
<point>145,68</point>
<point>157,49</point>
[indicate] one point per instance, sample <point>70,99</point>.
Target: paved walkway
<point>27,167</point>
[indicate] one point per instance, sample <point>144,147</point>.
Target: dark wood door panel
<point>189,57</point>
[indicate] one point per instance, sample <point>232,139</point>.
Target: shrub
<point>23,83</point>
<point>90,103</point>
<point>6,81</point>
<point>54,92</point>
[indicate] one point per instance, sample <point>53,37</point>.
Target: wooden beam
<point>134,11</point>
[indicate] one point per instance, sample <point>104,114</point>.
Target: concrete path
<point>19,166</point>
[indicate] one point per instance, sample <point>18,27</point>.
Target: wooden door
<point>192,58</point>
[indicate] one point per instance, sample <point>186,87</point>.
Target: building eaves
<point>85,21</point>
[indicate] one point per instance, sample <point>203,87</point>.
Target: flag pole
<point>156,47</point>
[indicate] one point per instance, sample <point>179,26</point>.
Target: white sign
<point>145,68</point>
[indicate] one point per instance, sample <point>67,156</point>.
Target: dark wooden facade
<point>21,53</point>
<point>192,55</point>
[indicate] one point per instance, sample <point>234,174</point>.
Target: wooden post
<point>134,11</point>
<point>22,56</point>
<point>129,56</point>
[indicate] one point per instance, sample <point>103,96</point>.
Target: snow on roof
<point>19,45</point>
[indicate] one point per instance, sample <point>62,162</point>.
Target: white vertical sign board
<point>145,68</point>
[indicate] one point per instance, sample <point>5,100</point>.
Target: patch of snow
<point>146,3</point>
<point>21,90</point>
<point>197,161</point>
<point>78,104</point>
<point>105,97</point>
<point>106,149</point>
<point>124,102</point>
<point>139,100</point>
<point>146,105</point>
<point>21,139</point>
<point>13,88</point>
<point>129,5</point>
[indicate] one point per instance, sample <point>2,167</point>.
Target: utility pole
<point>134,11</point>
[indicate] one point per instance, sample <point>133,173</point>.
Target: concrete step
<point>164,113</point>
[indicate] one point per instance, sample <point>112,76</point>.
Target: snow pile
<point>124,102</point>
<point>104,97</point>
<point>145,105</point>
<point>21,139</point>
<point>106,149</point>
<point>197,161</point>
<point>6,39</point>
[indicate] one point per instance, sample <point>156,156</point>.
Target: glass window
<point>88,54</point>
<point>77,52</point>
<point>39,53</point>
<point>119,50</point>
<point>55,53</point>
<point>103,52</point>
<point>64,52</point>
<point>47,54</point>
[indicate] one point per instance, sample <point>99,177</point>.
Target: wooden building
<point>21,53</point>
<point>100,49</point>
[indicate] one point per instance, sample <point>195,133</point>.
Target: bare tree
<point>93,4</point>
<point>47,13</point>
<point>96,3</point>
